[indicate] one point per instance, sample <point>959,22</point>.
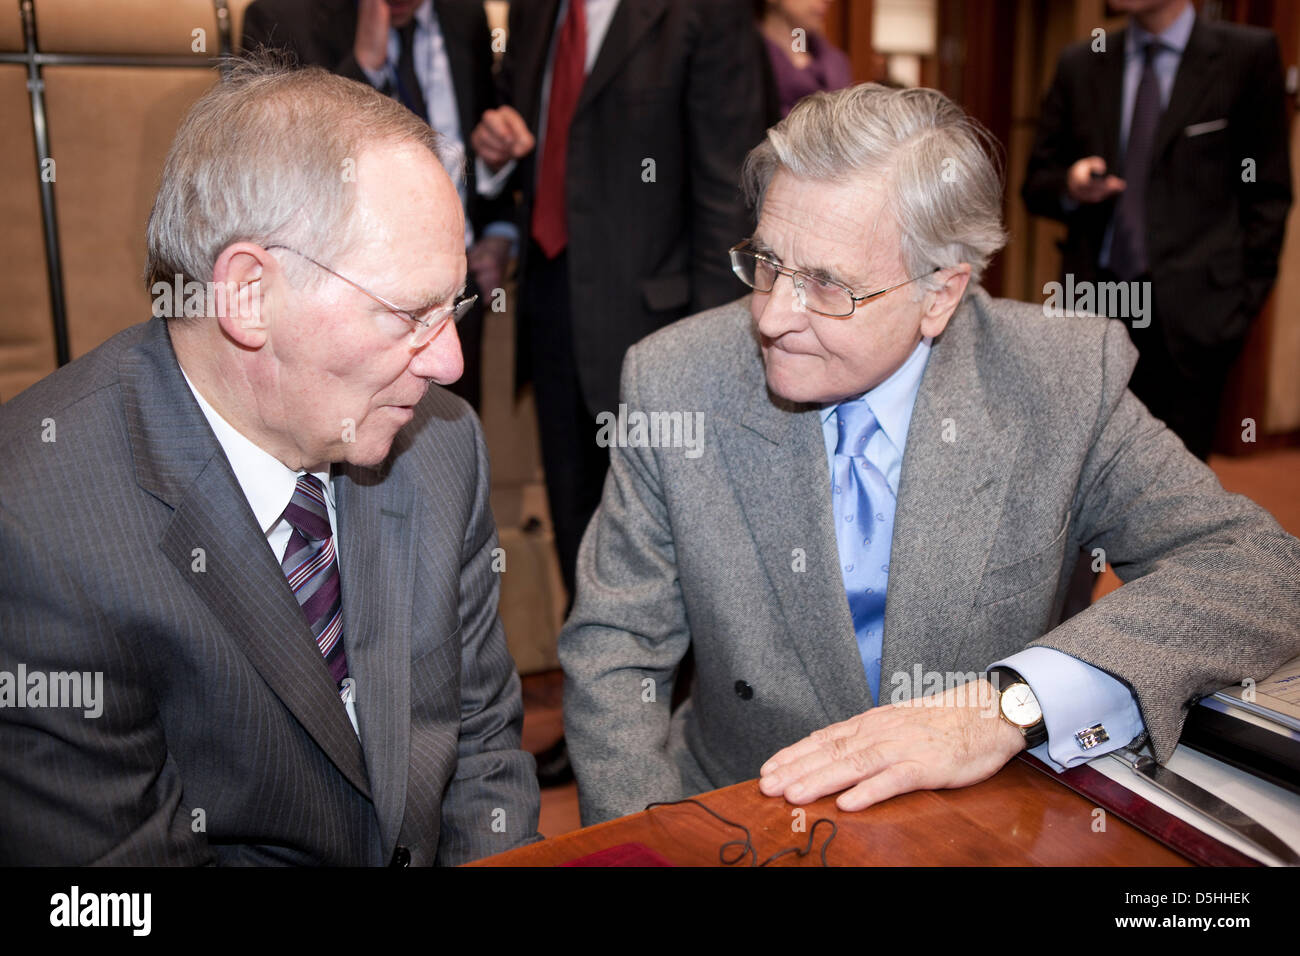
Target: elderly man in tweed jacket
<point>868,550</point>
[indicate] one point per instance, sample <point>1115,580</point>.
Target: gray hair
<point>265,156</point>
<point>939,167</point>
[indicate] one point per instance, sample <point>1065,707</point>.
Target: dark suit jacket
<point>676,81</point>
<point>320,33</point>
<point>1213,239</point>
<point>128,548</point>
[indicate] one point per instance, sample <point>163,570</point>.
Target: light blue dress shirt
<point>1073,695</point>
<point>1173,40</point>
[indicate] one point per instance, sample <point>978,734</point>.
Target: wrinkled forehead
<point>405,206</point>
<point>408,229</point>
<point>848,224</point>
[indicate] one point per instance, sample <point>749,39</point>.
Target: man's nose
<point>780,310</point>
<point>440,359</point>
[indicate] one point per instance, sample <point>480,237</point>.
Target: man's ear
<point>941,304</point>
<point>240,278</point>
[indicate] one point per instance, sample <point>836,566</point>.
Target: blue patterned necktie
<point>863,505</point>
<point>1128,256</point>
<point>312,570</point>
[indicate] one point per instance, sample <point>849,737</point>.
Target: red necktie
<point>567,74</point>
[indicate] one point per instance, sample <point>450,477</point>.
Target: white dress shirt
<point>269,484</point>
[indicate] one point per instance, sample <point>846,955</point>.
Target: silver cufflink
<point>1090,737</point>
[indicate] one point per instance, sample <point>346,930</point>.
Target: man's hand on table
<point>952,739</point>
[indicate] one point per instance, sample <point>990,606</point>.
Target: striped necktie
<point>312,570</point>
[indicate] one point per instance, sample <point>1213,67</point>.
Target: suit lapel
<point>777,462</point>
<point>1197,69</point>
<point>1110,98</point>
<point>954,479</point>
<point>459,62</point>
<point>532,27</point>
<point>214,541</point>
<point>377,563</point>
<point>631,22</point>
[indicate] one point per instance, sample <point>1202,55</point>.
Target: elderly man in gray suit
<point>255,532</point>
<point>867,544</point>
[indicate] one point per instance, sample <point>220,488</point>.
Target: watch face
<point>1020,706</point>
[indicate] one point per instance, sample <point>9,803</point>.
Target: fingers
<point>521,138</point>
<point>505,129</point>
<point>489,147</point>
<point>495,129</point>
<point>499,125</point>
<point>1086,180</point>
<point>895,779</point>
<point>939,742</point>
<point>846,762</point>
<point>810,744</point>
<point>831,759</point>
<point>491,138</point>
<point>370,46</point>
<point>501,135</point>
<point>488,277</point>
<point>488,259</point>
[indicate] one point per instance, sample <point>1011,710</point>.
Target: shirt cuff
<point>489,183</point>
<point>1080,705</point>
<point>507,229</point>
<point>380,79</point>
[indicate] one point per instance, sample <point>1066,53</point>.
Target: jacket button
<point>401,857</point>
<point>743,690</point>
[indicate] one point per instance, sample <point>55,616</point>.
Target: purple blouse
<point>829,70</point>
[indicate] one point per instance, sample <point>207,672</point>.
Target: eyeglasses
<point>426,327</point>
<point>823,296</point>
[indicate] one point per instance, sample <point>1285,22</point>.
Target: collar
<point>891,401</point>
<point>267,482</point>
<point>1174,37</point>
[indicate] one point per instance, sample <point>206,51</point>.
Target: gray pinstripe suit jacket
<point>215,698</point>
<point>1024,445</point>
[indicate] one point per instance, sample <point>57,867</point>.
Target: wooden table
<point>1023,815</point>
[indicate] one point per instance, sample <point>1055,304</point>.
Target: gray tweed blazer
<point>1024,446</point>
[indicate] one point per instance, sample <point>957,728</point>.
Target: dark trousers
<point>1186,400</point>
<point>575,465</point>
<point>1184,392</point>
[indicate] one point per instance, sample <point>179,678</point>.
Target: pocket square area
<point>1200,129</point>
